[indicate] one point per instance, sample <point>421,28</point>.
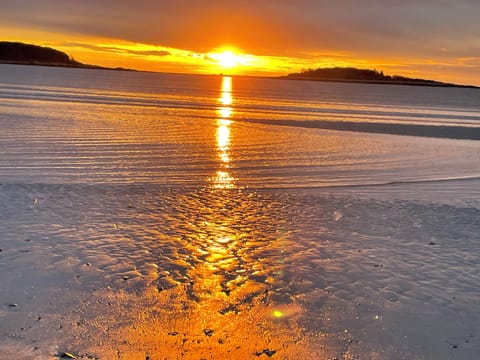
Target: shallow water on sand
<point>169,226</point>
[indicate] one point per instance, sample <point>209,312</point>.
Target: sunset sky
<point>436,39</point>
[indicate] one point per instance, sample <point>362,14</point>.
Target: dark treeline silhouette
<point>348,74</point>
<point>27,53</point>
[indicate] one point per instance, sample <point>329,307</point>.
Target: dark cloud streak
<point>114,49</point>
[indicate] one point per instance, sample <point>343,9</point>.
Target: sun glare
<point>229,59</point>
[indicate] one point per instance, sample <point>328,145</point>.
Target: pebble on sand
<point>267,352</point>
<point>208,332</point>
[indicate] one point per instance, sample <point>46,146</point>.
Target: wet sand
<point>130,272</point>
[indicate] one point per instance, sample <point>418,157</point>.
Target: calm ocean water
<point>186,217</point>
<point>74,125</point>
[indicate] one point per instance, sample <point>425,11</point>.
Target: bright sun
<point>228,59</point>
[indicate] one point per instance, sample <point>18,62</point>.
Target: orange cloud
<point>282,36</point>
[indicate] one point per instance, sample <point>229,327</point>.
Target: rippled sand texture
<point>128,272</point>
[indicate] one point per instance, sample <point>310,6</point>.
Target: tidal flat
<point>159,216</point>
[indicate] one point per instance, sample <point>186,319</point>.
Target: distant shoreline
<point>283,77</point>
<point>17,53</point>
<point>353,81</point>
<point>62,65</point>
<point>365,76</point>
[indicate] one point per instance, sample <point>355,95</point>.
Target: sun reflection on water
<point>223,288</point>
<point>223,179</point>
<point>226,95</point>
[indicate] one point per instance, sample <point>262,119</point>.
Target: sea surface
<point>177,216</point>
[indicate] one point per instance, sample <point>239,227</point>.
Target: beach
<point>162,216</point>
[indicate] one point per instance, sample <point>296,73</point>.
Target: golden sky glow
<point>257,38</point>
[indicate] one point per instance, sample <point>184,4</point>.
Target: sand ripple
<point>340,274</point>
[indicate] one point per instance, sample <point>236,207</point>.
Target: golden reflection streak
<point>223,179</point>
<point>226,95</point>
<point>226,291</point>
<point>225,112</point>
